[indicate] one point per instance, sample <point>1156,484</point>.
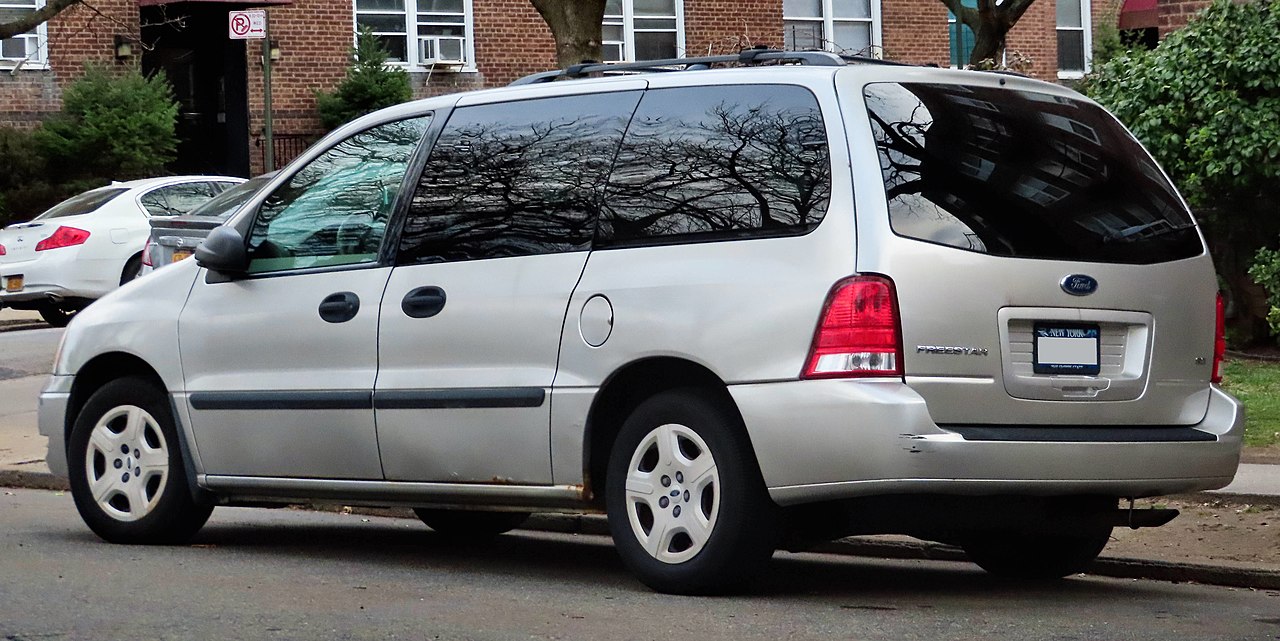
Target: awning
<point>1139,14</point>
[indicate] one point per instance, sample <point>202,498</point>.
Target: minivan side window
<point>1022,174</point>
<point>515,179</point>
<point>718,163</point>
<point>334,211</point>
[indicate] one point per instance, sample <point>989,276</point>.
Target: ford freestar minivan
<point>735,309</point>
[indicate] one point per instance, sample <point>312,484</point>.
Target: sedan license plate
<point>1065,348</point>
<point>13,283</point>
<point>180,254</point>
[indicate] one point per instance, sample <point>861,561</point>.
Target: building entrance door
<point>188,43</point>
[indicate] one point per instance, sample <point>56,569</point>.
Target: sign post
<point>252,25</point>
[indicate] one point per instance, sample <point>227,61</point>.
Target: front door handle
<point>423,302</point>
<point>340,307</point>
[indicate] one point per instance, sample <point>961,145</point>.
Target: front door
<point>280,363</point>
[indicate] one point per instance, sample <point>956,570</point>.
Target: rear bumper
<point>60,274</point>
<point>825,440</point>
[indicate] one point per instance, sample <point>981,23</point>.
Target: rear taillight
<point>1219,340</point>
<point>146,253</point>
<point>2,252</point>
<point>858,334</point>
<point>63,237</point>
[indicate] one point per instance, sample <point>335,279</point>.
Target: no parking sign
<point>247,25</point>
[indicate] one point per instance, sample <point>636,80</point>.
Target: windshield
<point>1022,174</point>
<point>229,201</point>
<point>82,204</point>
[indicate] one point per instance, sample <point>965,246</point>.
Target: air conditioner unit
<point>449,51</point>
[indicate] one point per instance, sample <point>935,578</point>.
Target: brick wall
<point>1175,14</point>
<point>915,31</point>
<point>713,27</point>
<point>77,36</point>
<point>1036,36</point>
<point>511,41</point>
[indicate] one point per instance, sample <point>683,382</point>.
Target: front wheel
<point>1036,556</point>
<point>126,470</point>
<point>688,510</point>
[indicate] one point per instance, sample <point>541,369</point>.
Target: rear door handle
<point>423,302</point>
<point>340,307</point>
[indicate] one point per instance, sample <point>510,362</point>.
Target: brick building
<point>455,45</point>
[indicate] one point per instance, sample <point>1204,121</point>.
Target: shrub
<point>113,125</point>
<point>368,86</point>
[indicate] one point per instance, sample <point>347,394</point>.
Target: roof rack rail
<point>746,57</point>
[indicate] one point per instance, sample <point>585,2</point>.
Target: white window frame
<point>39,37</point>
<point>413,42</point>
<point>1086,25</point>
<point>627,22</point>
<point>829,21</point>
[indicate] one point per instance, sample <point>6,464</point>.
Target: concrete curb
<point>593,524</point>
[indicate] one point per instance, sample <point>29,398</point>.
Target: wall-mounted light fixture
<point>124,47</point>
<point>276,54</point>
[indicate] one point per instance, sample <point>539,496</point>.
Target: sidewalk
<point>1242,509</point>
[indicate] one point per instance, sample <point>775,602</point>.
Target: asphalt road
<point>28,352</point>
<point>284,574</point>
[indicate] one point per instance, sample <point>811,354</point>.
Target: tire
<point>463,525</point>
<point>132,268</point>
<point>692,517</point>
<point>56,316</point>
<point>1035,557</point>
<point>150,503</point>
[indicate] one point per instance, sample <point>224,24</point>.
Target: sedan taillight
<point>63,237</point>
<point>2,252</point>
<point>146,254</point>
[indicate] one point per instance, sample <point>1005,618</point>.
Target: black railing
<point>287,147</point>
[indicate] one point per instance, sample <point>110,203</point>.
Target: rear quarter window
<point>1022,174</point>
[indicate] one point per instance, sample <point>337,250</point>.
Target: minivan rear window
<point>1022,174</point>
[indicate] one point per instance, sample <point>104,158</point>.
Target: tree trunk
<point>988,43</point>
<point>576,27</point>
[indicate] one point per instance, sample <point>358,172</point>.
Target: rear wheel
<point>126,469</point>
<point>132,268</point>
<point>687,508</point>
<point>55,315</point>
<point>465,524</point>
<point>1036,556</point>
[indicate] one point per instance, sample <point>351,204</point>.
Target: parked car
<point>174,238</point>
<point>734,309</point>
<point>90,244</point>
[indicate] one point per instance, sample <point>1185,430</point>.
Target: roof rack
<point>746,58</point>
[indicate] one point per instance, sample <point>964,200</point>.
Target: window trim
<point>1086,26</point>
<point>39,61</point>
<point>828,20</point>
<point>629,30</point>
<point>410,14</point>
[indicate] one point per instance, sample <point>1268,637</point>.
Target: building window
<point>843,26</point>
<point>420,33</point>
<point>1073,38</point>
<point>961,37</point>
<point>26,49</point>
<point>643,30</point>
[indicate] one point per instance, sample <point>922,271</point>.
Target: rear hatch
<point>1047,272</point>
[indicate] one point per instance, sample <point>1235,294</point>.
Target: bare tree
<point>990,21</point>
<point>577,27</point>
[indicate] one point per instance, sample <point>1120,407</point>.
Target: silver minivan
<point>770,300</point>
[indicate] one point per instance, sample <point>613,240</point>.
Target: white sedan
<point>92,243</point>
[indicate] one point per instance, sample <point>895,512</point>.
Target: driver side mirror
<point>223,252</point>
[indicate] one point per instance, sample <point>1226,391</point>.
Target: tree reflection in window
<point>516,178</point>
<point>335,210</point>
<point>720,162</point>
<point>1012,173</point>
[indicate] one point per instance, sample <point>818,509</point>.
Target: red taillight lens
<point>1219,341</point>
<point>858,334</point>
<point>2,252</point>
<point>63,237</point>
<point>146,254</point>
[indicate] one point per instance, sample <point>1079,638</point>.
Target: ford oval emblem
<point>1079,285</point>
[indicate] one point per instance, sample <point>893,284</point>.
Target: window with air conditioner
<point>28,50</point>
<point>421,34</point>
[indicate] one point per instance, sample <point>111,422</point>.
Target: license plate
<point>180,254</point>
<point>13,283</point>
<point>1065,348</point>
